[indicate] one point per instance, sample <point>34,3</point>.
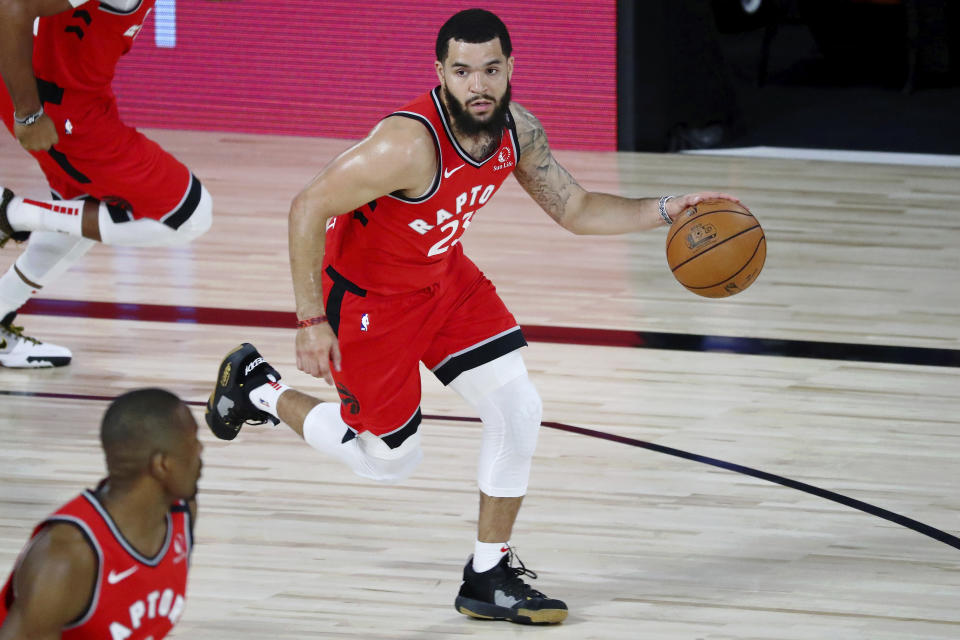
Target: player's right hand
<point>317,350</point>
<point>39,136</point>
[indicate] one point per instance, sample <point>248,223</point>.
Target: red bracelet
<point>309,322</point>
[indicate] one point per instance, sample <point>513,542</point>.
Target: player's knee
<point>200,220</point>
<point>386,465</point>
<point>394,471</point>
<point>118,226</point>
<point>522,417</point>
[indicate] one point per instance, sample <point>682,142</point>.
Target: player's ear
<point>159,465</point>
<point>439,67</point>
<point>509,68</point>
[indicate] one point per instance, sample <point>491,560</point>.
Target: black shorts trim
<point>335,300</point>
<point>482,354</point>
<point>396,438</point>
<point>67,167</point>
<point>181,214</point>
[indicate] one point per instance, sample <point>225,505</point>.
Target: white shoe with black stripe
<point>18,351</point>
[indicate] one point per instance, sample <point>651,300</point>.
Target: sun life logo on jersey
<point>504,159</point>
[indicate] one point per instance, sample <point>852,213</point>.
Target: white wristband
<point>29,120</point>
<point>663,209</point>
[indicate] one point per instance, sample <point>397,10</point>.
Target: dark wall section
<point>675,90</point>
<point>847,74</point>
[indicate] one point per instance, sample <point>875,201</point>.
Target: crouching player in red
<point>112,563</point>
<point>109,183</point>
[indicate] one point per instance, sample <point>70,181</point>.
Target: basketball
<point>716,248</point>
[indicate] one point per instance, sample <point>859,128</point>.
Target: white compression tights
<point>510,408</point>
<point>53,248</point>
<point>367,455</point>
<point>508,405</point>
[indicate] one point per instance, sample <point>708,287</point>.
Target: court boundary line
<point>904,521</point>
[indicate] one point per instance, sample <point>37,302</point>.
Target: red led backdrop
<point>332,69</point>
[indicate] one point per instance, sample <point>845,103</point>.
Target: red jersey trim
<point>136,555</point>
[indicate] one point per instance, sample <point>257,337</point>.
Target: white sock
<point>65,216</point>
<point>47,256</point>
<point>14,292</point>
<point>266,396</point>
<point>486,555</point>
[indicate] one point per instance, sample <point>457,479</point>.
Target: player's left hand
<point>678,204</point>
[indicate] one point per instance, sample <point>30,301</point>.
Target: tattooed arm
<point>570,205</point>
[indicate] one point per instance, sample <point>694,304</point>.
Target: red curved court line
<point>895,354</point>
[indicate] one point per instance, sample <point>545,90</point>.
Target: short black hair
<point>474,26</point>
<point>136,425</point>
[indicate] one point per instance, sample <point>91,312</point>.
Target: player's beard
<point>465,122</point>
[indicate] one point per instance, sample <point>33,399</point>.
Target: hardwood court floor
<point>639,544</point>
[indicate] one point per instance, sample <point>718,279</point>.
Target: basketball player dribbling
<point>382,283</point>
<point>109,183</point>
<point>113,562</point>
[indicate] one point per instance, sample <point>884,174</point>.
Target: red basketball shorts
<point>97,155</point>
<point>454,325</point>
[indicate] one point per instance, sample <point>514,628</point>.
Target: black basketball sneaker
<point>229,406</point>
<point>6,231</point>
<point>501,594</point>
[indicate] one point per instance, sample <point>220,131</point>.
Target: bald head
<point>139,424</point>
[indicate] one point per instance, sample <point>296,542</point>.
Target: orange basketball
<point>716,248</point>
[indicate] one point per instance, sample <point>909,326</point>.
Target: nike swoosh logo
<point>450,172</point>
<point>113,577</point>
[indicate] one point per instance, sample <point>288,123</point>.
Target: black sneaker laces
<point>515,585</point>
<point>232,419</point>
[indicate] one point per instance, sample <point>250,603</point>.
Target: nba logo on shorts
<point>364,322</point>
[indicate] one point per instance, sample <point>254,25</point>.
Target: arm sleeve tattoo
<point>547,182</point>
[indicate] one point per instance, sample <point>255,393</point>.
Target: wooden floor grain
<point>640,544</point>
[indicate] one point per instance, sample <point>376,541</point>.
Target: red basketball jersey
<point>134,597</point>
<point>78,49</point>
<point>397,244</point>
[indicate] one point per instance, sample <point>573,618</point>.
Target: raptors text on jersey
<point>397,244</point>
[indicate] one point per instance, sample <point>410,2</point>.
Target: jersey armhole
<point>98,556</point>
<point>512,128</point>
<point>432,189</point>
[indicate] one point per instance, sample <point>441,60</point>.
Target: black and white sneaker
<point>229,406</point>
<point>501,594</point>
<point>23,352</point>
<point>6,231</point>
